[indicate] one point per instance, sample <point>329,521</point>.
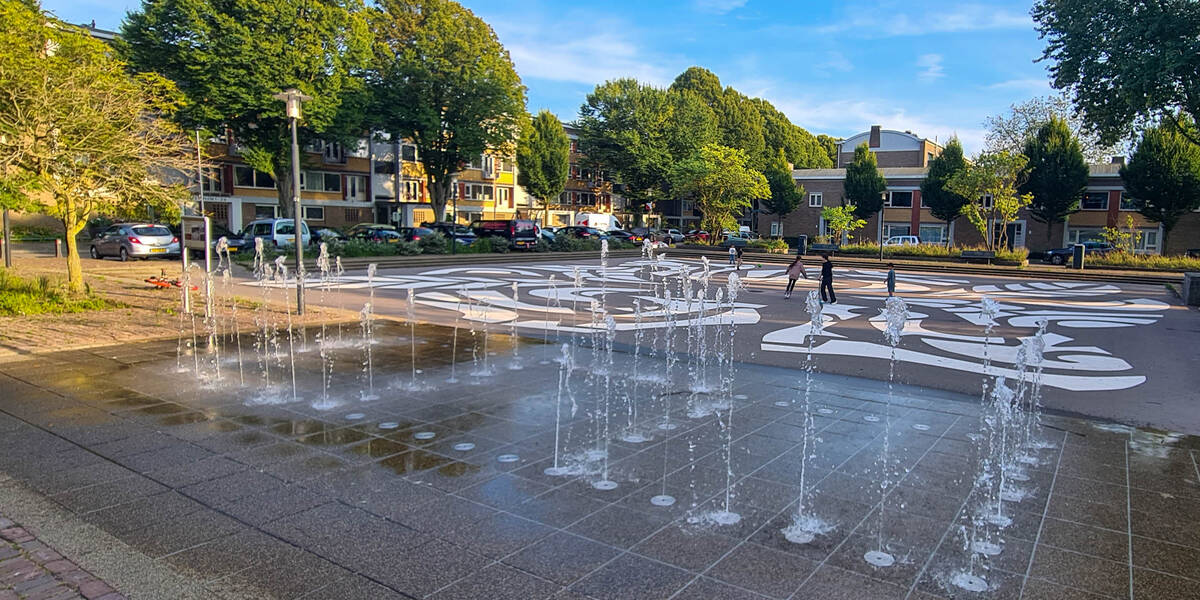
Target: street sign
<point>197,233</point>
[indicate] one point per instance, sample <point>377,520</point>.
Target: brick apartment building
<point>904,162</point>
<point>586,191</point>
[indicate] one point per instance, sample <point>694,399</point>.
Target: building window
<point>776,229</point>
<point>1128,203</point>
<point>385,167</point>
<point>816,200</point>
<point>924,204</point>
<point>476,191</point>
<point>564,198</point>
<point>356,187</point>
<point>503,196</point>
<point>688,206</point>
<point>317,181</point>
<point>477,163</point>
<point>211,182</point>
<point>218,211</point>
<point>408,152</point>
<point>1145,241</point>
<point>1094,201</point>
<point>933,234</point>
<point>314,213</point>
<point>900,200</point>
<point>986,200</point>
<point>412,191</point>
<point>1078,235</point>
<point>264,211</point>
<point>244,176</point>
<point>507,166</point>
<point>351,215</point>
<point>333,153</point>
<point>894,229</point>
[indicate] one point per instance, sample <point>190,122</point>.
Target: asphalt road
<point>1122,352</point>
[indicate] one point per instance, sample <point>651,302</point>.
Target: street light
<point>292,98</point>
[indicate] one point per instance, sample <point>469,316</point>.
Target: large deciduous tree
<point>1124,61</point>
<point>1056,173</point>
<point>638,132</point>
<point>990,182</point>
<point>543,158</point>
<point>231,58</point>
<point>864,185</point>
<point>441,78</point>
<point>1011,130</point>
<point>723,184</point>
<point>79,135</point>
<point>943,203</point>
<point>1164,173</point>
<point>785,194</point>
<point>829,145</point>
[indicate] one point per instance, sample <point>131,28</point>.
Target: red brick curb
<point>31,570</point>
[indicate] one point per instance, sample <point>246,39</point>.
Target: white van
<point>601,221</point>
<point>902,240</point>
<point>277,232</point>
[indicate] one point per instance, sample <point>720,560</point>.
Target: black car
<point>520,233</point>
<point>459,233</point>
<point>327,236</point>
<point>582,232</point>
<point>379,236</point>
<point>414,234</point>
<point>1060,256</point>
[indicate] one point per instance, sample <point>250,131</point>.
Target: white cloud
<point>834,61</point>
<point>718,6</point>
<point>967,17</point>
<point>932,67</point>
<point>602,51</point>
<point>1032,86</point>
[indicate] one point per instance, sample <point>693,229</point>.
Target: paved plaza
<point>410,461</point>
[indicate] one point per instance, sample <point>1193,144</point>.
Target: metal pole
<point>298,221</point>
<point>7,242</point>
<point>881,235</point>
<point>199,173</point>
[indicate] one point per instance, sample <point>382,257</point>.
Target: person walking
<point>732,255</point>
<point>794,271</point>
<point>891,279</point>
<point>740,251</point>
<point>827,280</point>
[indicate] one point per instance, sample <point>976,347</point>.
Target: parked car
<point>902,240</point>
<point>135,240</point>
<point>234,241</point>
<point>1060,256</point>
<point>459,233</point>
<point>548,233</point>
<point>696,235</point>
<point>361,227</point>
<point>520,233</point>
<point>624,236</point>
<point>326,235</point>
<point>673,236</point>
<point>378,235</point>
<point>277,232</point>
<point>414,234</point>
<point>582,232</point>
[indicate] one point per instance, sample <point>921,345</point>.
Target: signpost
<point>196,234</point>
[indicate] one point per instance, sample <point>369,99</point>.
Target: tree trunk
<point>439,193</point>
<point>74,269</point>
<point>283,189</point>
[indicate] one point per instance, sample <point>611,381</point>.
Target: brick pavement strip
<point>31,570</point>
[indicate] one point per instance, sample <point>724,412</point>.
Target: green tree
<point>829,145</point>
<point>991,182</point>
<point>543,158</point>
<point>1164,173</point>
<point>785,194</point>
<point>1057,174</point>
<point>442,79</point>
<point>231,58</point>
<point>943,203</point>
<point>638,133</point>
<point>1124,61</point>
<point>841,221</point>
<point>801,148</point>
<point>1012,129</point>
<point>79,135</point>
<point>864,186</point>
<point>722,183</point>
<point>739,123</point>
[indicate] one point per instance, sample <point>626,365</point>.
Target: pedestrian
<point>827,280</point>
<point>794,272</point>
<point>732,255</point>
<point>740,251</point>
<point>891,279</point>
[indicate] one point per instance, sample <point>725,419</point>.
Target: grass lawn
<point>21,296</point>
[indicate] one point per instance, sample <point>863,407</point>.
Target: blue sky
<point>938,68</point>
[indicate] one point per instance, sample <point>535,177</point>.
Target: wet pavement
<point>438,490</point>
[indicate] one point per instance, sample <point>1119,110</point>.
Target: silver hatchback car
<point>135,240</point>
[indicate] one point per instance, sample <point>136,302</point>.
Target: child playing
<point>794,272</point>
<point>891,279</point>
<point>732,254</point>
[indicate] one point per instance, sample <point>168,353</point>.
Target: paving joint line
<point>1045,514</point>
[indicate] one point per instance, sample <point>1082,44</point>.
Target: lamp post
<point>292,97</point>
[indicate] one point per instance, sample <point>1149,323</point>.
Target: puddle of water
<point>183,419</point>
<point>379,448</point>
<point>336,437</point>
<point>414,461</point>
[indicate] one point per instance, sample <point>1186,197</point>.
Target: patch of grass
<point>1144,261</point>
<point>929,251</point>
<point>21,296</point>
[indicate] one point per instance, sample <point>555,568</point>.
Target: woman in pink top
<point>794,271</point>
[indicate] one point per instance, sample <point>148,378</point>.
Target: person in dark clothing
<point>891,279</point>
<point>827,281</point>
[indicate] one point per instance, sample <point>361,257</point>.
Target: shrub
<point>489,244</point>
<point>570,243</point>
<point>357,248</point>
<point>435,243</point>
<point>774,246</point>
<point>33,232</point>
<point>1145,261</point>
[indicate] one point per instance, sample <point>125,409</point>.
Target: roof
<point>887,172</point>
<point>1105,170</point>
